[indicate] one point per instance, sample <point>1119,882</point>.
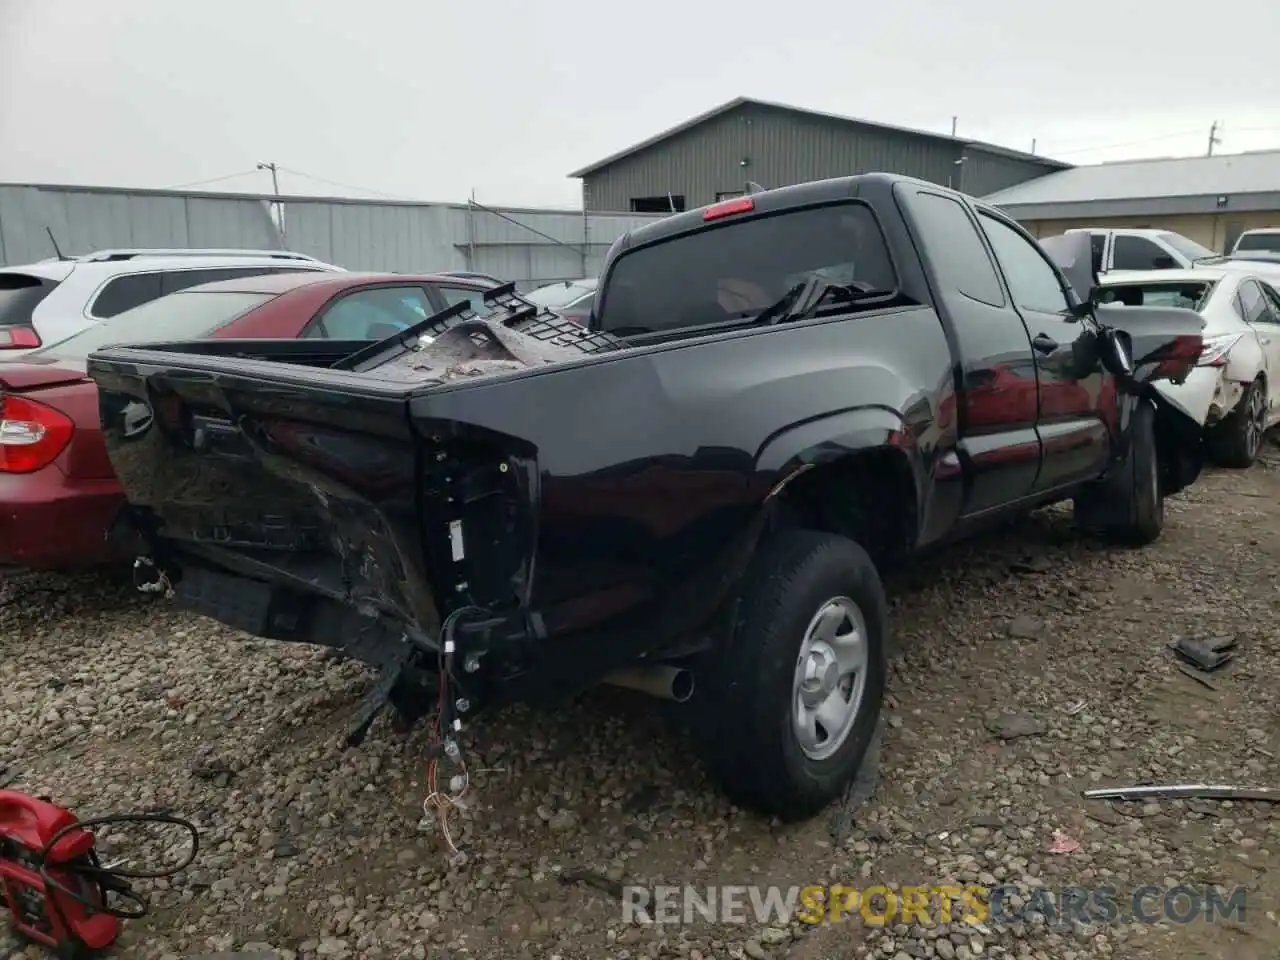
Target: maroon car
<point>58,492</point>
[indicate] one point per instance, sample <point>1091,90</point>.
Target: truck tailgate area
<point>274,480</point>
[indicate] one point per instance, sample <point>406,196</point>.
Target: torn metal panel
<point>485,347</point>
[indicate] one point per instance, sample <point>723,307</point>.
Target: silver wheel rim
<point>1253,428</point>
<point>830,678</point>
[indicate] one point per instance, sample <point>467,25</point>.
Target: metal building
<point>1212,199</point>
<point>715,154</point>
<point>525,245</point>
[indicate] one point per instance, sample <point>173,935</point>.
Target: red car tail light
<point>32,434</point>
<point>18,338</point>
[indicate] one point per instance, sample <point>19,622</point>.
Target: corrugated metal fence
<point>526,245</point>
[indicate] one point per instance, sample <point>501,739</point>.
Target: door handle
<point>1044,343</point>
<point>1265,341</point>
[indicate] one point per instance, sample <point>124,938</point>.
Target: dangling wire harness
<point>438,804</point>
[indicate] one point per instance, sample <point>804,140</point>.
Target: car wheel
<point>787,706</point>
<point>1235,441</point>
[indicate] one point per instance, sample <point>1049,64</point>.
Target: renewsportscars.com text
<point>927,905</point>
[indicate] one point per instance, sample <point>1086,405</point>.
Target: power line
<point>335,183</point>
<point>1127,143</point>
<point>1159,139</point>
<point>201,183</point>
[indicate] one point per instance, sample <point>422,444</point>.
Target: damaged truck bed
<point>776,396</point>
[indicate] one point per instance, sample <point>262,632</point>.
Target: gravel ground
<point>1031,665</point>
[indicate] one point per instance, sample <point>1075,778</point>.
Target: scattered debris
<point>1207,654</point>
<point>1077,707</point>
<point>1031,563</point>
<point>1026,628</point>
<point>1063,843</point>
<point>1197,676</point>
<point>1184,791</point>
<point>1010,726</point>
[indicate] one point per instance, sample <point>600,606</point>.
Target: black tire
<point>1132,498</point>
<point>745,694</point>
<point>1235,441</point>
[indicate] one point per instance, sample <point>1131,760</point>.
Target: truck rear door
<point>1076,406</point>
<point>998,448</point>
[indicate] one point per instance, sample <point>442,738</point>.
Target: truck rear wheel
<point>789,702</point>
<point>1128,507</point>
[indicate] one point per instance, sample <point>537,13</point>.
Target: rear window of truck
<point>20,293</point>
<point>732,271</point>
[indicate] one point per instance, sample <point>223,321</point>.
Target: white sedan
<point>1235,389</point>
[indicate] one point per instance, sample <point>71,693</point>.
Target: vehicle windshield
<point>1188,248</point>
<point>1269,241</point>
<point>557,295</point>
<point>734,271</point>
<point>1189,294</point>
<point>186,315</point>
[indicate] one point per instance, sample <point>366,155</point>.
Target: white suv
<point>42,303</point>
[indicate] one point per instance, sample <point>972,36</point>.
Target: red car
<point>58,493</point>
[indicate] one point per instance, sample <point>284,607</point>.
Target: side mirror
<point>1114,353</point>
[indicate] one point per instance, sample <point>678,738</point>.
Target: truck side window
<point>1033,282</point>
<point>1138,253</point>
<point>959,256</point>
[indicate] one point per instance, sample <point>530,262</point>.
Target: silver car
<point>1234,390</point>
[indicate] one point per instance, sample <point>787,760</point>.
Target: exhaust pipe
<point>659,680</point>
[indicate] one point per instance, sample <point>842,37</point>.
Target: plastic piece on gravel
<point>1063,843</point>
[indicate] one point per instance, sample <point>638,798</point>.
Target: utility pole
<point>471,231</point>
<point>1214,139</point>
<point>1033,144</point>
<point>953,126</point>
<point>275,188</point>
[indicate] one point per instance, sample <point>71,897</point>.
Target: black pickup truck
<point>776,396</point>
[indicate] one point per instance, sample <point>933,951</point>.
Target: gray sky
<point>428,100</point>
